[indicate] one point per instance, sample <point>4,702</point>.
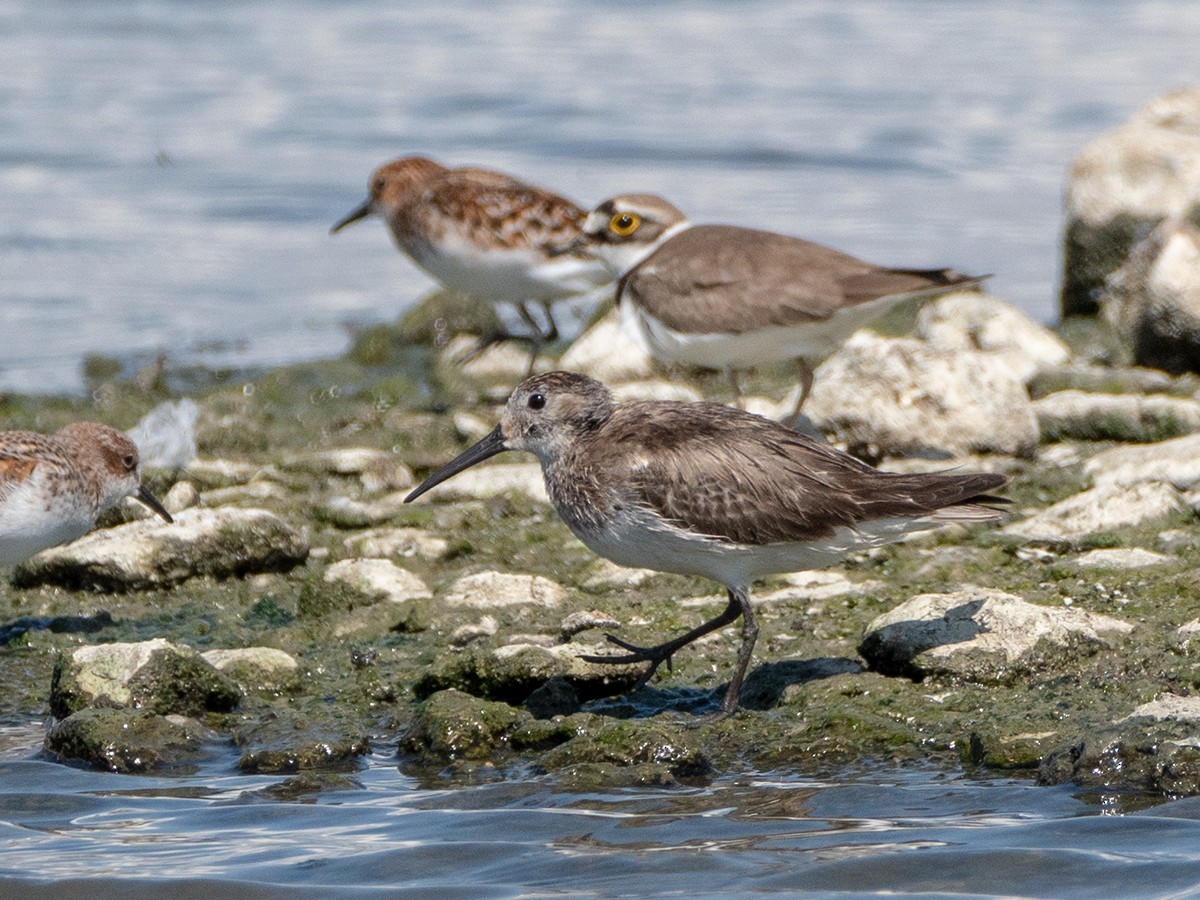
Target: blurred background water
<point>169,170</point>
<point>168,174</point>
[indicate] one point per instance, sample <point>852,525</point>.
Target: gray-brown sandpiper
<point>726,297</point>
<point>53,487</point>
<point>705,489</point>
<point>485,234</point>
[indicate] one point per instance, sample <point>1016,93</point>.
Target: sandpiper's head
<point>623,231</point>
<point>544,415</point>
<point>112,459</point>
<point>388,186</point>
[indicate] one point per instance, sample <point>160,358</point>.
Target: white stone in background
<point>377,579</point>
<point>1104,508</point>
<point>492,480</point>
<point>182,495</point>
<point>1087,416</point>
<point>379,470</point>
<point>1123,558</point>
<point>403,542</point>
<point>471,428</point>
<point>1168,706</point>
<point>265,659</point>
<point>970,320</point>
<point>655,389</point>
<point>471,632</point>
<point>1176,462</point>
<point>251,492</point>
<point>228,471</point>
<point>350,513</point>
<point>606,574</point>
<point>906,397</point>
<point>151,553</point>
<point>816,585</point>
<point>978,633</point>
<point>505,362</point>
<point>607,353</point>
<point>492,590</point>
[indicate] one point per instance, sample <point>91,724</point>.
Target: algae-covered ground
<point>381,674</point>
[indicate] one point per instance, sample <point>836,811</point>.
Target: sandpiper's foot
<point>656,656</point>
<point>535,342</point>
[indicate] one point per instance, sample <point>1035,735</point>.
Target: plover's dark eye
<point>536,401</point>
<point>622,224</point>
<point>129,461</point>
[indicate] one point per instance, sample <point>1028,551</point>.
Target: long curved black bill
<point>149,499</point>
<point>485,449</point>
<point>359,212</point>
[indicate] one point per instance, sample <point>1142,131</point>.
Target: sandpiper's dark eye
<point>622,224</point>
<point>536,401</point>
<point>129,461</point>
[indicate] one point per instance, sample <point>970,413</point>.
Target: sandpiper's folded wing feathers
<point>497,208</point>
<point>708,473</point>
<point>741,279</point>
<point>21,452</point>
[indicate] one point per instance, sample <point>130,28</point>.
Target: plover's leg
<point>739,605</point>
<point>537,337</point>
<point>551,333</point>
<point>806,382</point>
<point>731,376</point>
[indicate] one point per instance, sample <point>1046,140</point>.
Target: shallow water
<point>65,832</point>
<point>170,170</point>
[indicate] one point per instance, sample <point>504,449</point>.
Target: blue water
<point>168,175</point>
<point>169,170</point>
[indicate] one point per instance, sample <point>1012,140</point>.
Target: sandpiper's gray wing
<point>720,472</point>
<point>720,278</point>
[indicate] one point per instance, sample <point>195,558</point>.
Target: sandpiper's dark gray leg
<point>729,704</point>
<point>806,382</point>
<point>739,605</point>
<point>735,386</point>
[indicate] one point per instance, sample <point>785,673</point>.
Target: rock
<point>655,389</point>
<point>211,473</point>
<point>628,744</point>
<point>971,320</point>
<point>980,634</point>
<point>470,428</point>
<point>1184,635</point>
<point>493,480</point>
<point>126,741</point>
<point>505,362</point>
<point>1108,507</point>
<point>495,590</point>
<point>182,495</point>
<point>607,353</point>
<point>554,698</point>
<point>1153,300</point>
<point>1153,751</point>
<point>1121,185</point>
<point>154,675</point>
<point>440,314</point>
<point>401,542</point>
<point>903,397</point>
<point>286,741</point>
<point>254,668</point>
<point>1176,462</point>
<point>582,620</point>
<point>605,575</point>
<point>816,585</point>
<point>253,493</point>
<point>512,672</point>
<point>151,553</point>
<point>1120,417</point>
<point>377,580</point>
<point>1167,706</point>
<point>379,470</point>
<point>452,725</point>
<point>1123,558</point>
<point>1096,379</point>
<point>346,512</point>
<point>471,632</point>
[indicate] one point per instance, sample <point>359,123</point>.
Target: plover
<point>485,234</point>
<point>725,297</point>
<point>706,489</point>
<point>53,487</point>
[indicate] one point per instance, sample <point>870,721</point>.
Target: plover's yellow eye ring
<point>624,224</point>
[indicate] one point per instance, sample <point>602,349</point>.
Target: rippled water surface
<point>169,170</point>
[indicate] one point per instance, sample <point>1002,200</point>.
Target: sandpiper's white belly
<point>508,275</point>
<point>812,341</point>
<point>639,539</point>
<point>36,515</point>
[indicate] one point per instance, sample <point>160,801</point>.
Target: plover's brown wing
<point>722,279</point>
<point>498,211</point>
<point>724,473</point>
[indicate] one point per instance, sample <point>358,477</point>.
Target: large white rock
<point>491,590</point>
<point>402,542</point>
<point>151,553</point>
<point>492,480</point>
<point>377,469</point>
<point>607,353</point>
<point>903,396</point>
<point>1176,462</point>
<point>970,320</point>
<point>1107,507</point>
<point>979,633</point>
<point>1124,417</point>
<point>377,579</point>
<point>1122,184</point>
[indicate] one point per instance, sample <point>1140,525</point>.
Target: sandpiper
<point>725,297</point>
<point>485,234</point>
<point>705,489</point>
<point>53,487</point>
